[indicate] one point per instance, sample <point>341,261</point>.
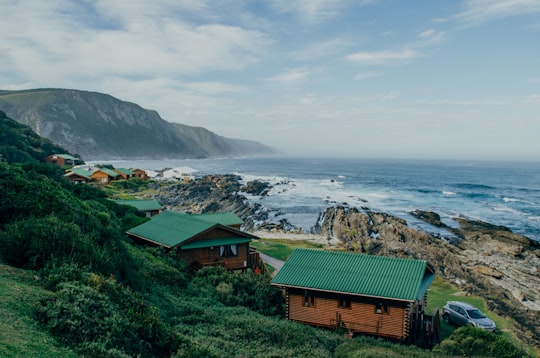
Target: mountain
<point>98,126</point>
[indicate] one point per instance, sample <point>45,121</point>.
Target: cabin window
<point>381,308</point>
<point>309,299</point>
<point>228,250</point>
<point>344,303</point>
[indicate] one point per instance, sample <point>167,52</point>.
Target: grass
<point>442,291</point>
<point>282,248</point>
<point>20,333</point>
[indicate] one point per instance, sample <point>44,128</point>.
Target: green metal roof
<point>215,242</point>
<point>66,156</point>
<point>356,274</point>
<point>81,172</point>
<point>109,172</point>
<point>172,228</point>
<point>142,204</point>
<point>124,171</point>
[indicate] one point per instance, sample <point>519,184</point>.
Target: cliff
<point>98,126</point>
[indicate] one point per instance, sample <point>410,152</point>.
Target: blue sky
<point>447,79</point>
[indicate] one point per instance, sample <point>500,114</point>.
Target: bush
<point>470,341</point>
<point>31,243</point>
<point>241,289</point>
<point>78,314</point>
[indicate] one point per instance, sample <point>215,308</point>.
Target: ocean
<point>500,193</point>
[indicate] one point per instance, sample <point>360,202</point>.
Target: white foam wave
<point>512,200</point>
<point>448,192</point>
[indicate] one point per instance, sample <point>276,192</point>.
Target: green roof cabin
<point>375,295</point>
<point>79,175</point>
<point>125,173</point>
<point>202,239</point>
<point>104,175</point>
<point>150,207</point>
<point>62,159</point>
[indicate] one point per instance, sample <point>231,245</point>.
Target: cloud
<point>364,75</point>
<point>291,75</point>
<point>427,33</point>
<point>478,11</point>
<point>73,40</point>
<point>382,57</point>
<point>212,88</point>
<point>321,49</point>
<point>316,10</point>
<point>533,99</point>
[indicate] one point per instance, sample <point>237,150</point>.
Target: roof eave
<point>341,292</point>
<point>147,239</point>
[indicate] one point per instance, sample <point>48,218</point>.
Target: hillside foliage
<point>102,296</point>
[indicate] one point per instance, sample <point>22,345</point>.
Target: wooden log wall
<point>361,317</point>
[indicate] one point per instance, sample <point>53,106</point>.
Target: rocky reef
<point>480,258</point>
<point>484,259</point>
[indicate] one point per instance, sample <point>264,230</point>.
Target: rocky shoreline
<point>481,258</point>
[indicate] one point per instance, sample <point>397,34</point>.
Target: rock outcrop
<point>482,259</point>
<point>217,193</point>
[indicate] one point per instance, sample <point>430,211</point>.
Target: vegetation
<point>71,284</point>
<point>282,248</point>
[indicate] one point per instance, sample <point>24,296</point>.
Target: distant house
<point>79,175</point>
<point>62,159</point>
<point>150,207</point>
<point>376,295</point>
<point>181,173</point>
<point>139,173</point>
<point>204,239</point>
<point>125,173</point>
<point>104,175</point>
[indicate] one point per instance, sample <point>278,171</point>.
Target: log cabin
<point>374,295</point>
<point>139,173</point>
<point>104,176</point>
<point>79,175</point>
<point>62,159</point>
<point>124,173</point>
<point>202,239</point>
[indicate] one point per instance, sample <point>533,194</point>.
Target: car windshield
<point>475,314</point>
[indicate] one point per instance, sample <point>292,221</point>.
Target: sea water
<point>501,193</point>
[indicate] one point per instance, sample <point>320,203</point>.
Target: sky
<point>440,79</point>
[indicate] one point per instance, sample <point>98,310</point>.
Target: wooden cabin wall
<point>360,317</point>
<point>210,256</point>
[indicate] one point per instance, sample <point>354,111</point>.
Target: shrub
<point>470,341</point>
<point>31,243</point>
<point>78,314</point>
<point>241,289</point>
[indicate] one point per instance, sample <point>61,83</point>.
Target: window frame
<point>344,303</point>
<point>226,251</point>
<point>381,308</point>
<point>309,299</point>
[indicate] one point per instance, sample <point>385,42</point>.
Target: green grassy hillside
<point>21,334</point>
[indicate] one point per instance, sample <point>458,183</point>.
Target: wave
<point>474,186</point>
<point>448,192</point>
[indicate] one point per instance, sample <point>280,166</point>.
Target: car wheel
<point>446,318</point>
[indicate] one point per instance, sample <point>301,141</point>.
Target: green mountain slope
<point>18,143</point>
<point>99,126</point>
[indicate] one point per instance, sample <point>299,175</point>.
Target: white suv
<point>463,314</point>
